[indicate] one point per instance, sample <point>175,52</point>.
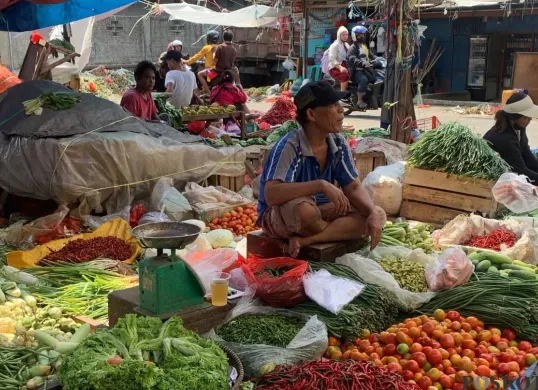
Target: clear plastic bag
<point>385,186</point>
<point>284,291</point>
<point>452,268</point>
<point>206,263</point>
<point>165,197</point>
<point>516,193</point>
<point>153,216</point>
<point>94,222</point>
<point>331,292</point>
<point>371,272</point>
<point>309,344</point>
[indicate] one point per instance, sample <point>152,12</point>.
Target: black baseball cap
<point>318,94</point>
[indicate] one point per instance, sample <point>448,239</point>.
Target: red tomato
<point>424,383</point>
<point>453,315</point>
<point>457,386</point>
<point>394,367</point>
<point>509,334</point>
<point>412,366</point>
<point>390,349</point>
<point>505,357</point>
<point>524,346</point>
<point>447,341</point>
<point>446,381</point>
<point>419,357</point>
<point>408,375</point>
<point>520,359</point>
<point>434,356</point>
<point>483,371</point>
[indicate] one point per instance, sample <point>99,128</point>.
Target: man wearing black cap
<point>298,200</point>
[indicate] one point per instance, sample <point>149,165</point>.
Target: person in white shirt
<point>337,58</point>
<point>180,82</point>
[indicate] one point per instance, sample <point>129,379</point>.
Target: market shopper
<point>227,93</point>
<point>298,200</point>
<point>508,136</point>
<point>138,101</point>
<point>175,45</point>
<point>358,60</point>
<point>179,81</point>
<point>337,58</point>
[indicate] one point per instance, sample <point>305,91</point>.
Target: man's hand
<point>376,221</point>
<point>335,195</point>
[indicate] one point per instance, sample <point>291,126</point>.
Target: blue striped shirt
<point>291,161</point>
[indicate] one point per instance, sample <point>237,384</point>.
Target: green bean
<point>454,148</point>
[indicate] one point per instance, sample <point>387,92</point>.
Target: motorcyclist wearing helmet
<point>175,45</point>
<point>208,51</point>
<point>358,59</point>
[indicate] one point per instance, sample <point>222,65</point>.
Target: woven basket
<point>234,361</point>
<point>260,134</point>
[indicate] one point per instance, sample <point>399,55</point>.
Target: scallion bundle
<point>454,148</point>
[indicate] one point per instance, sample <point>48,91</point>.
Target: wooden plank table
<point>225,115</point>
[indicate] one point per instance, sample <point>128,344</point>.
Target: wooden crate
<point>367,162</point>
<point>438,197</point>
<point>233,183</point>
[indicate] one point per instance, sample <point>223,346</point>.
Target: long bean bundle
<point>454,148</point>
<point>498,301</point>
<point>372,310</point>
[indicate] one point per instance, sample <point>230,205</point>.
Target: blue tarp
<point>25,16</point>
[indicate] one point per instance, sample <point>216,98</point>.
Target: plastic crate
<point>426,124</point>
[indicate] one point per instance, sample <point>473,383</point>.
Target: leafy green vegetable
<point>176,120</point>
<point>286,128</point>
<point>147,355</point>
<point>454,148</point>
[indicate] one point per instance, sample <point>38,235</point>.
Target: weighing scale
<point>167,284</point>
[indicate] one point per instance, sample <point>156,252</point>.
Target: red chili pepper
<point>493,240</point>
<point>80,251</point>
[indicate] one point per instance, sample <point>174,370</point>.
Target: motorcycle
<point>374,94</point>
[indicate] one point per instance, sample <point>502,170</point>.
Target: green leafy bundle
<point>176,120</point>
<point>142,353</point>
<point>454,148</point>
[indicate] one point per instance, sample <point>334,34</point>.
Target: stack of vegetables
<point>163,107</point>
<point>372,310</point>
<point>444,351</point>
<point>454,148</point>
<point>240,220</point>
<point>413,236</point>
<point>286,128</point>
<point>282,110</point>
<point>496,240</point>
<point>503,265</point>
<point>143,353</point>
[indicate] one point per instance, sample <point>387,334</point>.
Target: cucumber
<point>497,258</point>
<point>483,266</point>
<point>516,267</point>
<point>475,262</point>
<point>525,275</point>
<point>493,269</point>
<point>521,263</point>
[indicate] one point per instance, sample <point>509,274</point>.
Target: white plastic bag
<point>516,193</point>
<point>452,268</point>
<point>153,216</point>
<point>238,279</point>
<point>309,344</point>
<point>463,227</point>
<point>385,186</point>
<point>206,263</point>
<point>165,197</point>
<point>371,272</point>
<point>331,292</point>
<point>94,222</point>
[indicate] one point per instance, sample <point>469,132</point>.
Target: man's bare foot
<point>294,246</point>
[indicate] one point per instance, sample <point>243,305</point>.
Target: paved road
<point>479,123</point>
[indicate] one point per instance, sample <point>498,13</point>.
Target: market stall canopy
<point>251,16</point>
<point>27,15</point>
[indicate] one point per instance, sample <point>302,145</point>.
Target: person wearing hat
<point>508,136</point>
<point>298,199</point>
<point>179,82</point>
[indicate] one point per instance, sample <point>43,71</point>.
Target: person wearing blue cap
<point>298,199</point>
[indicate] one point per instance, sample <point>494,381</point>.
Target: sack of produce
<point>516,193</point>
<point>166,198</point>
<point>509,237</point>
<point>385,185</point>
<point>279,281</point>
<point>451,269</point>
<point>399,270</point>
<point>263,336</point>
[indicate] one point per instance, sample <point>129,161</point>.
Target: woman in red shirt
<point>228,94</point>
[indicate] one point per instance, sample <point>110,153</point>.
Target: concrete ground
<point>479,123</point>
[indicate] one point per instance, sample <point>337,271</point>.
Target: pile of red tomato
<point>438,352</point>
<point>239,221</point>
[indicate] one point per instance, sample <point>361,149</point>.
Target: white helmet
<point>175,43</point>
